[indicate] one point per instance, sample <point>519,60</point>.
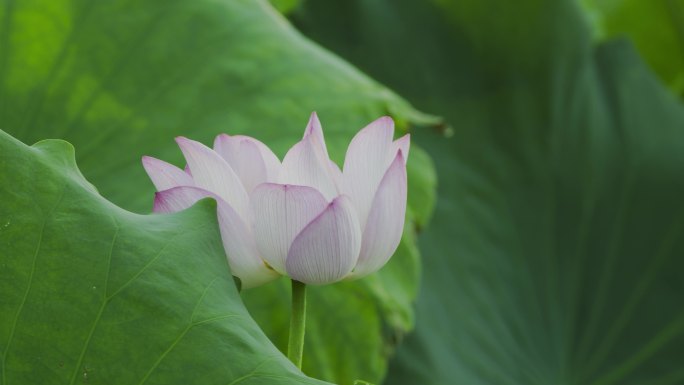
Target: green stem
<point>295,346</point>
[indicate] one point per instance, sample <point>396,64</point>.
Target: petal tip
<point>187,144</point>
<point>383,126</point>
<point>182,141</point>
<point>403,144</point>
<point>314,125</point>
<point>221,138</point>
<point>386,120</point>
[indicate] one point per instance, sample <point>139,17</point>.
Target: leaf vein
<point>28,286</point>
<point>100,311</point>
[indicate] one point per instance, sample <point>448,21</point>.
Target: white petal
<point>227,146</point>
<point>280,212</point>
<point>403,144</point>
<point>271,162</point>
<point>336,173</point>
<point>385,222</point>
<point>211,172</point>
<point>252,169</point>
<point>165,175</point>
<point>365,164</point>
<point>243,255</point>
<point>244,157</point>
<point>327,248</point>
<point>179,198</point>
<point>238,240</point>
<point>315,130</point>
<point>250,158</point>
<point>307,163</point>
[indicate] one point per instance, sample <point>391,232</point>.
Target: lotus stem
<point>295,347</point>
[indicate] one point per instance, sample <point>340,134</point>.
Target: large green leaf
<point>95,294</point>
<point>555,255</point>
<point>119,79</point>
<point>656,27</point>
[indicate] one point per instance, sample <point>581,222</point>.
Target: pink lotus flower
<point>304,217</point>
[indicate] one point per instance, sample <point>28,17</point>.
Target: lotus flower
<point>304,217</point>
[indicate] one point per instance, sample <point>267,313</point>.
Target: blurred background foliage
<point>656,28</point>
<point>555,252</point>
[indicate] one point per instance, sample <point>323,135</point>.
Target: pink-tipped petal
<point>385,222</point>
<point>307,164</point>
<point>365,164</point>
<point>315,131</point>
<point>280,212</point>
<point>403,144</point>
<point>179,198</point>
<point>327,249</point>
<point>211,172</point>
<point>238,240</point>
<point>165,175</point>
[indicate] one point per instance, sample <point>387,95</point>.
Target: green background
<point>554,253</point>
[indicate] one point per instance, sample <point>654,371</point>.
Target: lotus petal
<point>252,161</point>
<point>385,223</point>
<point>280,213</point>
<point>238,240</point>
<point>365,164</point>
<point>307,163</point>
<point>212,173</point>
<point>327,249</point>
<point>165,175</point>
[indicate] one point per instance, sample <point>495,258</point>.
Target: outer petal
<point>238,240</point>
<point>385,222</point>
<point>365,164</point>
<point>280,213</point>
<point>165,175</point>
<point>307,163</point>
<point>212,173</point>
<point>328,247</point>
<point>179,198</point>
